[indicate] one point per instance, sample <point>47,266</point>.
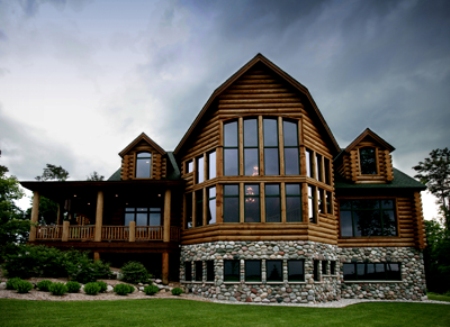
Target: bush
<point>92,288</point>
<point>151,289</point>
<point>83,269</point>
<point>58,288</point>
<point>44,285</point>
<point>11,284</point>
<point>73,287</point>
<point>123,289</point>
<point>176,291</point>
<point>135,272</point>
<point>24,286</point>
<point>103,286</point>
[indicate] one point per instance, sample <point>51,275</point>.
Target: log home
<point>257,203</point>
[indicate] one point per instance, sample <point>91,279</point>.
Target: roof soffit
<point>259,58</point>
<point>146,139</point>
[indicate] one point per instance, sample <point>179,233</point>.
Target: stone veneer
<point>328,288</point>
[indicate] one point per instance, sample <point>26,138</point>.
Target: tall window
<point>368,161</point>
<point>293,203</point>
<point>251,203</point>
<point>211,219</point>
<point>311,204</point>
<point>198,208</point>
<point>271,159</point>
<point>231,271</point>
<point>296,270</point>
<point>143,165</point>
<point>188,213</point>
<point>251,153</point>
<point>253,270</point>
<point>291,155</point>
<point>319,167</point>
<point>230,151</point>
<point>212,165</point>
<point>274,270</point>
<point>200,169</point>
<point>231,203</point>
<point>309,163</point>
<point>272,199</point>
<point>143,216</point>
<point>368,218</point>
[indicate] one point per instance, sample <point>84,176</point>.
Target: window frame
<point>366,166</point>
<point>140,159</point>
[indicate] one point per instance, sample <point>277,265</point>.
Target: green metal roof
<point>115,176</point>
<point>401,181</point>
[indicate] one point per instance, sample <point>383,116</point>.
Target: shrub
<point>123,289</point>
<point>176,291</point>
<point>44,285</point>
<point>24,286</point>
<point>73,287</point>
<point>92,288</point>
<point>135,272</point>
<point>83,269</point>
<point>58,288</point>
<point>151,289</point>
<point>11,284</point>
<point>103,286</point>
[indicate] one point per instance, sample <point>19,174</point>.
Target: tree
<point>95,177</point>
<point>435,173</point>
<point>53,173</point>
<point>14,227</point>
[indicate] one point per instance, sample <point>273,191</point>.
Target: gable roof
<point>142,137</point>
<point>369,133</point>
<point>259,58</point>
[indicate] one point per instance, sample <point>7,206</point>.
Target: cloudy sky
<point>79,80</point>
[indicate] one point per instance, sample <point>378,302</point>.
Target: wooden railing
<point>115,233</point>
<point>48,232</point>
<point>84,233</point>
<point>149,233</point>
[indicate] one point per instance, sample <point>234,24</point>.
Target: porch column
<point>132,231</point>
<point>96,256</point>
<point>99,217</point>
<point>65,231</point>
<point>58,214</point>
<point>165,268</point>
<point>34,216</point>
<point>167,196</point>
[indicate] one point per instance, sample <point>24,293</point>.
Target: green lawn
<point>161,312</point>
<point>438,297</point>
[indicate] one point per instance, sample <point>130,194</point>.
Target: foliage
<point>11,284</point>
<point>58,288</point>
<point>177,291</point>
<point>24,286</point>
<point>435,173</point>
<point>44,285</point>
<point>92,288</point>
<point>14,226</point>
<point>95,177</point>
<point>151,289</point>
<point>83,269</point>
<point>123,289</point>
<point>53,173</point>
<point>73,286</point>
<point>135,272</point>
<point>103,286</point>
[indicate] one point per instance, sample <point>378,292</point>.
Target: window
<point>143,165</point>
<point>272,199</point>
<point>188,213</point>
<point>187,271</point>
<point>321,205</point>
<point>231,203</point>
<point>327,170</point>
<point>230,151</point>
<point>316,270</point>
<point>324,267</point>
<point>198,208</point>
<point>143,216</point>
<point>271,160</point>
<point>274,270</point>
<point>198,271</point>
<point>296,270</point>
<point>319,175</point>
<point>309,163</point>
<point>200,172</point>
<point>328,199</point>
<point>189,166</point>
<point>253,270</point>
<point>251,153</point>
<point>332,267</point>
<point>231,270</point>
<point>291,155</point>
<point>372,271</point>
<point>311,204</point>
<point>211,219</point>
<point>210,275</point>
<point>212,165</point>
<point>368,161</point>
<point>251,203</point>
<point>368,218</point>
<point>293,203</point>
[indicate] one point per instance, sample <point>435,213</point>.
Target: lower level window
<point>198,271</point>
<point>187,271</point>
<point>253,270</point>
<point>372,271</point>
<point>231,269</point>
<point>274,270</point>
<point>296,270</point>
<point>210,276</point>
<point>316,270</point>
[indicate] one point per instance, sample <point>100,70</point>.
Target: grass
<point>181,313</point>
<point>438,297</point>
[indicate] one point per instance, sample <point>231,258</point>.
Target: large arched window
<point>143,165</point>
<point>368,161</point>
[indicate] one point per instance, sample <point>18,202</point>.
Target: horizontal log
<point>261,96</point>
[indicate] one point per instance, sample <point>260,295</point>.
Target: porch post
<point>132,231</point>
<point>165,268</point>
<point>34,216</point>
<point>58,214</point>
<point>167,196</point>
<point>65,231</point>
<point>99,217</point>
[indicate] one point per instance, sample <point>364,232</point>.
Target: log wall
<point>159,162</point>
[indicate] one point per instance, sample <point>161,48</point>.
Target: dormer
<point>143,159</point>
<point>366,160</point>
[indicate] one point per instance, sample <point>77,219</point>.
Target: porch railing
<point>84,233</point>
<point>115,233</point>
<point>149,233</point>
<point>49,232</point>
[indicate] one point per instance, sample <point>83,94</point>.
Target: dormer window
<point>368,161</point>
<point>143,165</point>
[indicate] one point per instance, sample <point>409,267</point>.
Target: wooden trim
<point>241,146</point>
<point>281,146</point>
<point>283,202</point>
<point>241,202</point>
<point>261,146</point>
